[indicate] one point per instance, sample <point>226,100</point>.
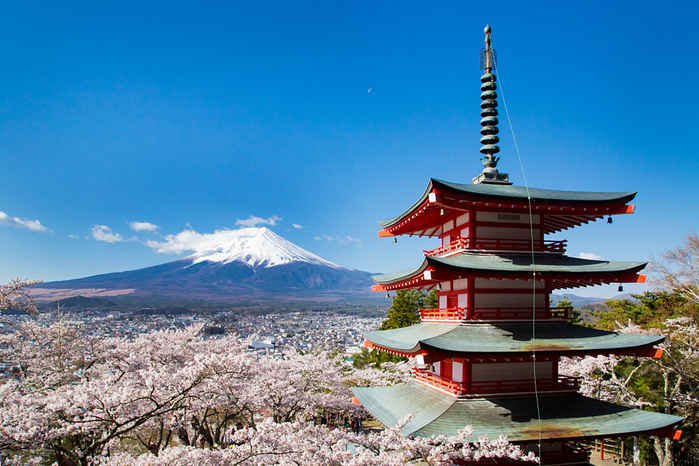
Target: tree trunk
<point>663,450</point>
<point>636,452</point>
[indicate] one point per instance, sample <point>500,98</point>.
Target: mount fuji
<point>228,265</point>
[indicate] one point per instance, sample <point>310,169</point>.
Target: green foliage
<point>653,380</point>
<point>373,358</point>
<point>649,309</point>
<point>574,314</point>
<point>405,310</point>
<point>431,300</point>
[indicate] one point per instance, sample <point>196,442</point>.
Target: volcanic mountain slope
<point>250,262</point>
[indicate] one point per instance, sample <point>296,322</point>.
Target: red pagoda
<point>488,355</point>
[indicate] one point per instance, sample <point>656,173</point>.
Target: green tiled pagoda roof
<point>508,337</point>
<point>553,264</point>
<point>517,193</point>
<point>570,416</point>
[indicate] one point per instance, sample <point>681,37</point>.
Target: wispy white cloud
<point>590,255</point>
<point>143,226</point>
<point>318,238</point>
<point>104,233</point>
<point>254,220</point>
<point>32,225</point>
<point>72,236</point>
<point>297,226</point>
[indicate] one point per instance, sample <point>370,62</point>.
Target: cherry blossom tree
<point>50,355</point>
<point>15,295</point>
<point>611,378</point>
<point>679,269</point>
<point>77,399</point>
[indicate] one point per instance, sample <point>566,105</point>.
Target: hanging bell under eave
<point>609,219</point>
<point>621,288</point>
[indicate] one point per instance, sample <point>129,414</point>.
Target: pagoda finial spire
<point>488,51</point>
<point>489,118</point>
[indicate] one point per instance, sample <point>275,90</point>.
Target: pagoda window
<point>449,300</point>
<point>445,286</point>
<point>437,367</point>
<point>462,219</point>
<point>461,284</point>
<point>457,371</point>
<point>448,226</point>
<point>462,301</point>
<point>446,239</point>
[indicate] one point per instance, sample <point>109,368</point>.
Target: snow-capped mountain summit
<point>256,247</point>
<point>234,265</point>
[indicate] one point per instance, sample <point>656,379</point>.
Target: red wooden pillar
<point>471,299</point>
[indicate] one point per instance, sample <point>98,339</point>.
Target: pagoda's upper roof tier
<point>563,209</point>
<point>483,340</point>
<point>562,271</point>
<point>563,417</point>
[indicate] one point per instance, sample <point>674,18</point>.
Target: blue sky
<point>329,116</point>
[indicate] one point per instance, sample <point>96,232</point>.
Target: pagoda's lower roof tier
<point>564,209</point>
<point>570,416</point>
<point>563,271</point>
<point>483,340</point>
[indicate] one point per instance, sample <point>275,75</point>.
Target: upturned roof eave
<point>568,417</point>
<point>582,267</point>
<point>537,194</point>
<point>508,338</point>
<point>541,268</point>
<point>387,278</point>
<point>388,222</point>
<point>500,192</point>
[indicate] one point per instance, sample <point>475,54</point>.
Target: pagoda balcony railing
<point>459,314</point>
<point>494,244</point>
<point>461,389</point>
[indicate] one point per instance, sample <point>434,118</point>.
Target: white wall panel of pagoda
<point>512,371</point>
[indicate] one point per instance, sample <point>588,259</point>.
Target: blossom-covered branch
<point>15,295</point>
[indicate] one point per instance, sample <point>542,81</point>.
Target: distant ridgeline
<point>249,264</point>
